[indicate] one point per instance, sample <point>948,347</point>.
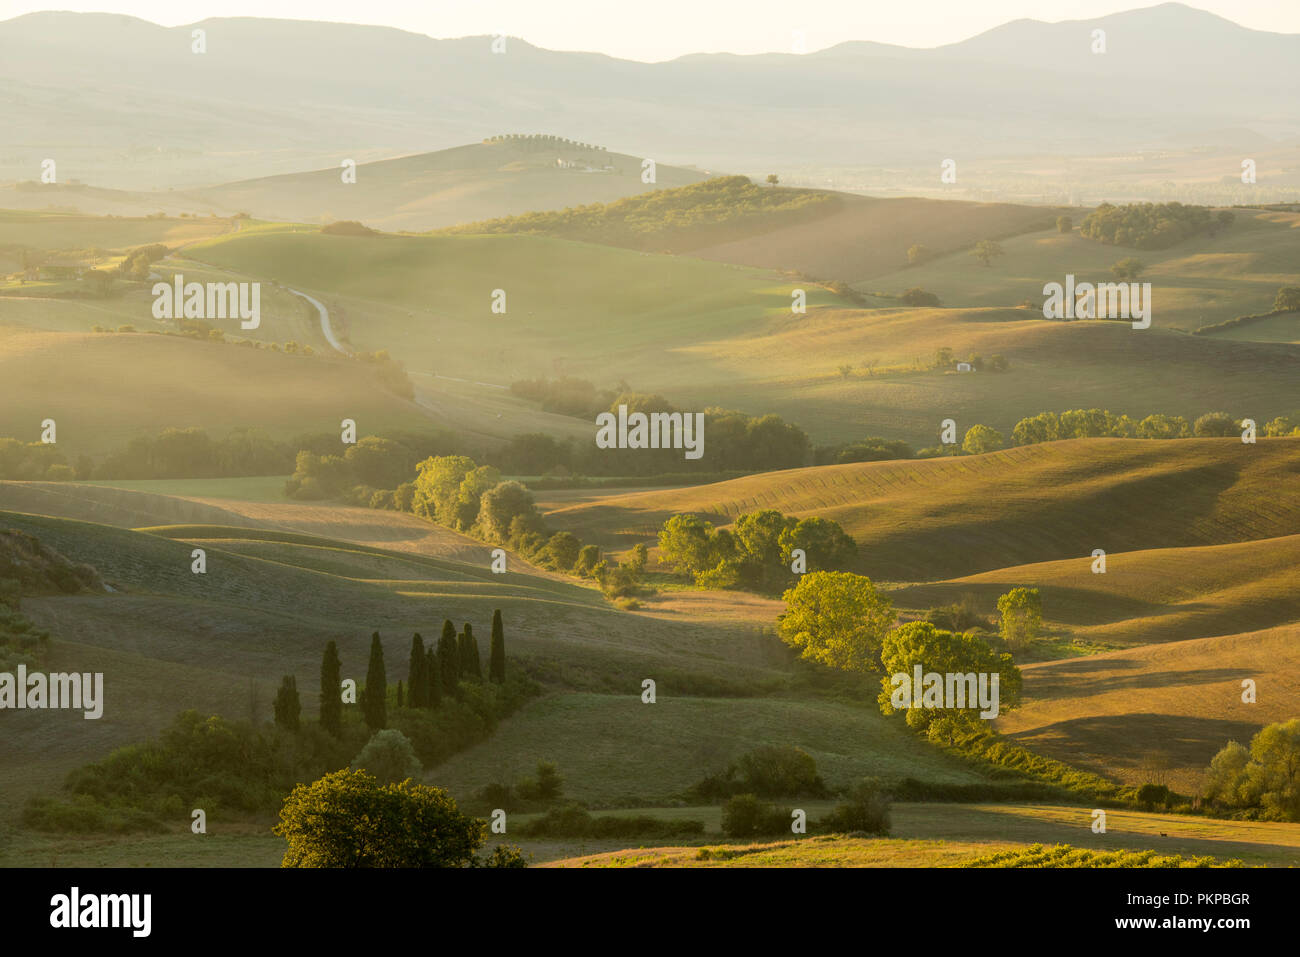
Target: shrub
<point>864,810</point>
<point>1151,795</point>
<point>389,756</point>
<point>547,786</point>
<point>779,771</point>
<point>572,820</point>
<point>917,296</point>
<point>746,816</point>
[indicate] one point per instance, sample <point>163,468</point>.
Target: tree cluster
<point>1150,225</point>
<point>756,553</point>
<point>671,220</point>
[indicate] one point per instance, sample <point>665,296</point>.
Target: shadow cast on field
<point>1126,740</point>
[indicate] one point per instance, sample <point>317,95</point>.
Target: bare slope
<point>1177,703</point>
<point>925,519</point>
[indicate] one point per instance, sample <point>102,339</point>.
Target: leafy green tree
<point>1227,781</point>
<point>986,250</point>
<point>1152,795</point>
<point>1128,268</point>
<point>746,816</point>
<point>1268,776</point>
<point>864,810</point>
<point>826,546</point>
<point>562,550</point>
<point>548,786</point>
<point>349,819</point>
<point>288,709</point>
<point>1282,425</point>
<point>331,691</point>
<point>916,296</point>
<point>981,438</point>
<point>1287,299</point>
<point>684,544</point>
<point>500,505</point>
<point>449,659</point>
<point>448,489</point>
<point>375,702</point>
<point>773,179</point>
<point>1064,224</point>
<point>1215,424</point>
<point>1043,427</point>
<point>758,547</point>
<point>1022,617</point>
<point>774,770</point>
<point>469,497</point>
<point>588,559</point>
<point>837,619</point>
<point>944,653</point>
<point>637,558</point>
<point>917,253</point>
<point>389,756</point>
<point>497,655</point>
<point>1160,426</point>
<point>415,675</point>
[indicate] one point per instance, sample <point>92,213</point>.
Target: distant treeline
<point>671,220</point>
<point>192,453</point>
<point>1150,225</point>
<point>733,441</point>
<point>1102,423</point>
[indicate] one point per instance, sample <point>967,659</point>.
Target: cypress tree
<point>376,703</point>
<point>399,692</point>
<point>448,658</point>
<point>497,652</point>
<point>415,677</point>
<point>471,667</point>
<point>433,678</point>
<point>288,709</point>
<point>331,691</point>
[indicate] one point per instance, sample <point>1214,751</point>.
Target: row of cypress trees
<point>432,673</point>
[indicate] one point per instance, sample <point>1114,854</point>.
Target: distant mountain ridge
<point>275,96</point>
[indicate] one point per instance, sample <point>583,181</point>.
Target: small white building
<point>964,367</point>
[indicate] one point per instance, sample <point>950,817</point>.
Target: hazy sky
<point>662,29</point>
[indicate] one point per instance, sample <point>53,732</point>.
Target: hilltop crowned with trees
<point>672,220</point>
<point>1150,225</point>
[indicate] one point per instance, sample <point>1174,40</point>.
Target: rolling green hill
<point>707,334</point>
<point>1144,597</point>
<point>459,185</point>
<point>50,230</point>
<point>102,390</point>
<point>1201,281</point>
<point>1177,702</point>
<point>922,520</point>
<point>869,237</point>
